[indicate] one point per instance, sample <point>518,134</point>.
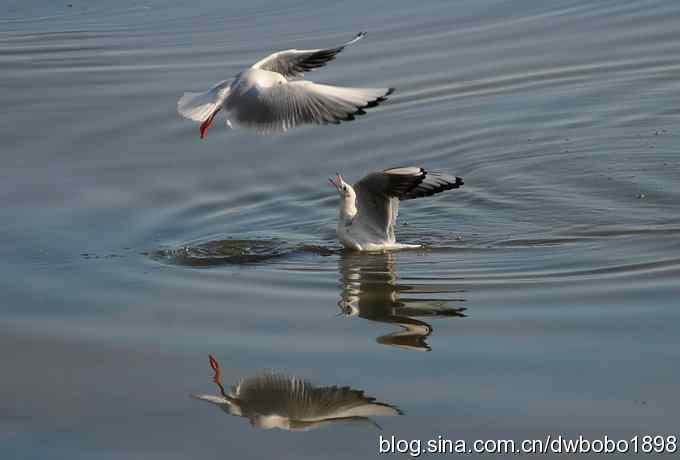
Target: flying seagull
<point>271,96</point>
<point>368,210</point>
<point>290,403</point>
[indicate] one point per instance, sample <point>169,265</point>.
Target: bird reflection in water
<point>290,403</point>
<point>370,291</point>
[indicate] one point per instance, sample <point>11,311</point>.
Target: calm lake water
<point>547,302</point>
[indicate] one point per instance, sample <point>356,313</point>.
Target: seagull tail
<point>201,106</point>
<point>197,106</point>
<point>211,398</point>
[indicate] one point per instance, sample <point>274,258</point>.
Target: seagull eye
<point>344,188</point>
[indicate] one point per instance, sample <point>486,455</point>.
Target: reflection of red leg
<point>216,367</point>
<point>205,126</point>
<point>217,378</point>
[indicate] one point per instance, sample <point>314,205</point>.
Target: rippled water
<point>546,300</point>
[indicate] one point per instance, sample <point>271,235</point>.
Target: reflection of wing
<point>212,399</point>
<point>299,400</point>
<point>370,291</point>
<point>411,337</point>
<point>290,403</point>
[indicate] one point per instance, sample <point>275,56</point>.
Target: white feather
<point>270,97</point>
<point>358,97</point>
<point>270,104</point>
<point>211,398</point>
<point>199,106</point>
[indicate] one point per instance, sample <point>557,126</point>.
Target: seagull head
<point>345,190</point>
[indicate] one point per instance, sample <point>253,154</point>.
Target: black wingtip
<point>424,187</point>
<point>370,104</point>
<point>377,101</point>
<point>458,182</point>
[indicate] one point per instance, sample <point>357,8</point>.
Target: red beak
<point>337,183</point>
<point>205,126</point>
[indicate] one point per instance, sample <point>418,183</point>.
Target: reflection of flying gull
<point>370,291</point>
<point>368,210</point>
<point>290,403</point>
<point>270,96</point>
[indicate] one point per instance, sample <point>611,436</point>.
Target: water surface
<point>546,300</point>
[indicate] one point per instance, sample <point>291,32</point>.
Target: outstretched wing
<point>408,182</point>
<point>294,63</point>
<point>281,107</point>
<point>379,193</point>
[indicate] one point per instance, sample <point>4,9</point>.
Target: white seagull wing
<point>283,106</point>
<point>294,62</point>
<point>379,193</point>
<point>376,211</point>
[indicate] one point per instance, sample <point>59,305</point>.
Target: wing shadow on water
<point>370,290</point>
<point>289,403</point>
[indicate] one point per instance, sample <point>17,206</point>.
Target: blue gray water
<point>546,302</point>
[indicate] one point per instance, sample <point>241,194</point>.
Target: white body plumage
<point>368,211</point>
<point>271,97</point>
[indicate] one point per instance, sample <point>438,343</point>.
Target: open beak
<point>337,182</point>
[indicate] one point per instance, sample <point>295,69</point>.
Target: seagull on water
<point>290,403</point>
<point>368,210</point>
<point>271,96</point>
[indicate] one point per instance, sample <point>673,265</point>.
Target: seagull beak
<point>337,182</point>
<point>205,126</point>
